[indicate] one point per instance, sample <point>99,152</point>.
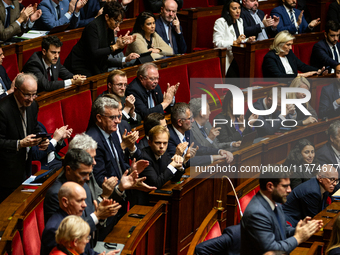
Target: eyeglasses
<point>152,79</point>
<point>190,118</point>
<point>113,117</point>
<point>333,180</point>
<point>85,175</point>
<point>120,85</point>
<point>27,96</point>
<point>88,238</point>
<point>117,22</point>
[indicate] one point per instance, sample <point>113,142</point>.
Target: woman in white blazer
<point>228,31</point>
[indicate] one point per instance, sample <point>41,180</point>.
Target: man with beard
<point>310,197</point>
<point>292,19</point>
<point>263,226</point>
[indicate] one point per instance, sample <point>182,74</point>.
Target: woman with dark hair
<point>301,159</point>
<point>232,131</point>
<point>147,39</point>
<point>90,55</point>
<point>228,31</point>
<point>333,247</point>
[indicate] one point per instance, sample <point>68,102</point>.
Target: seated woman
<point>334,11</point>
<point>281,62</point>
<point>333,247</point>
<point>228,31</point>
<point>232,133</point>
<point>90,55</point>
<point>147,39</point>
<point>301,159</point>
<point>299,116</point>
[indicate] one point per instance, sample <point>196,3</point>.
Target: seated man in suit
<point>329,106</point>
<point>57,13</point>
<point>116,85</point>
<point>181,119</point>
<point>156,5</point>
<point>14,21</point>
<point>168,27</point>
<point>148,94</point>
<point>6,85</point>
<point>326,51</point>
<point>201,129</point>
<point>310,197</point>
<point>263,225</point>
<point>47,67</point>
<point>292,19</point>
<point>330,152</point>
<point>257,24</point>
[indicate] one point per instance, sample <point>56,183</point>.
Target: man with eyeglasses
<point>310,197</point>
<point>18,126</point>
<point>148,94</point>
<point>168,27</point>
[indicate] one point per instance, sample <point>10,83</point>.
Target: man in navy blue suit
<point>257,24</point>
<point>6,85</point>
<point>326,52</point>
<point>292,19</point>
<point>329,106</point>
<point>168,27</point>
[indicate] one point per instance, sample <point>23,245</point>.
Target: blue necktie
<point>278,219</point>
<point>8,18</point>
<point>291,14</point>
<point>3,85</point>
<point>112,138</point>
<point>151,103</point>
<point>335,54</point>
<point>203,132</point>
<point>186,149</point>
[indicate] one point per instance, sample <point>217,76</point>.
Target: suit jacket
<point>267,128</point>
<point>179,45</point>
<point>273,67</point>
<point>285,22</point>
<point>250,26</point>
<point>304,200</point>
<point>5,79</point>
<point>51,202</point>
<point>141,95</point>
<point>14,28</point>
<point>229,243</point>
<point>329,94</point>
<point>199,137</point>
<point>326,155</point>
<point>202,155</point>
<point>90,55</point>
<point>322,55</point>
<point>106,163</point>
<point>36,66</point>
<point>48,237</point>
<point>49,20</point>
<point>88,12</point>
<point>14,165</point>
<point>334,12</point>
<point>260,229</point>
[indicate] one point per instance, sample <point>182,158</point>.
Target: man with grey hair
<point>181,119</point>
<point>148,94</point>
<point>203,131</point>
<point>330,152</point>
<point>18,129</point>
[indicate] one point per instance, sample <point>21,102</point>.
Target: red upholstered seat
<point>215,231</point>
<point>30,235</point>
<point>10,63</point>
<point>305,51</point>
<point>17,248</point>
<point>28,53</point>
<point>205,26</point>
<point>101,89</point>
<point>36,166</point>
<point>266,11</point>
<point>259,55</point>
<point>244,201</point>
<point>66,49</point>
<point>317,98</point>
<point>76,111</point>
<point>195,3</point>
<point>39,212</point>
<point>172,76</point>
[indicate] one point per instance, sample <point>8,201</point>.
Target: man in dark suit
<point>6,85</point>
<point>257,24</point>
<point>330,152</point>
<point>47,67</point>
<point>310,197</point>
<point>329,106</point>
<point>148,94</point>
<point>57,13</point>
<point>326,51</point>
<point>292,19</point>
<point>89,12</point>
<point>18,126</point>
<point>169,23</point>
<point>181,119</point>
<point>263,225</point>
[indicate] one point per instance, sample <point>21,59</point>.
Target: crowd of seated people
<point>124,172</point>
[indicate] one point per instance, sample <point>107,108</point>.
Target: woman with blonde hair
<point>281,62</point>
<point>333,247</point>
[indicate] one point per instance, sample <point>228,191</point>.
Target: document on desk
<point>100,247</point>
<point>336,194</point>
<point>32,34</point>
<point>29,181</point>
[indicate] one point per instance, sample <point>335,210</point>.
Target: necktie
<point>278,219</point>
<point>170,36</point>
<point>3,84</point>
<point>203,132</point>
<point>335,54</point>
<point>8,18</point>
<point>151,103</point>
<point>23,120</point>
<point>58,11</point>
<point>186,149</point>
<point>113,147</point>
<point>49,73</point>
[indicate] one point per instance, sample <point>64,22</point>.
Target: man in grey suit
<point>263,226</point>
<point>203,131</point>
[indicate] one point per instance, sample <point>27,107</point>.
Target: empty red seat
<point>215,231</point>
<point>304,51</point>
<point>244,201</point>
<point>101,89</point>
<point>10,63</point>
<point>259,55</point>
<point>17,248</point>
<point>66,49</point>
<point>30,235</point>
<point>205,28</point>
<point>39,212</point>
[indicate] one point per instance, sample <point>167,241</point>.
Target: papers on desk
<point>32,34</point>
<point>100,248</point>
<point>29,181</point>
<point>336,194</point>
